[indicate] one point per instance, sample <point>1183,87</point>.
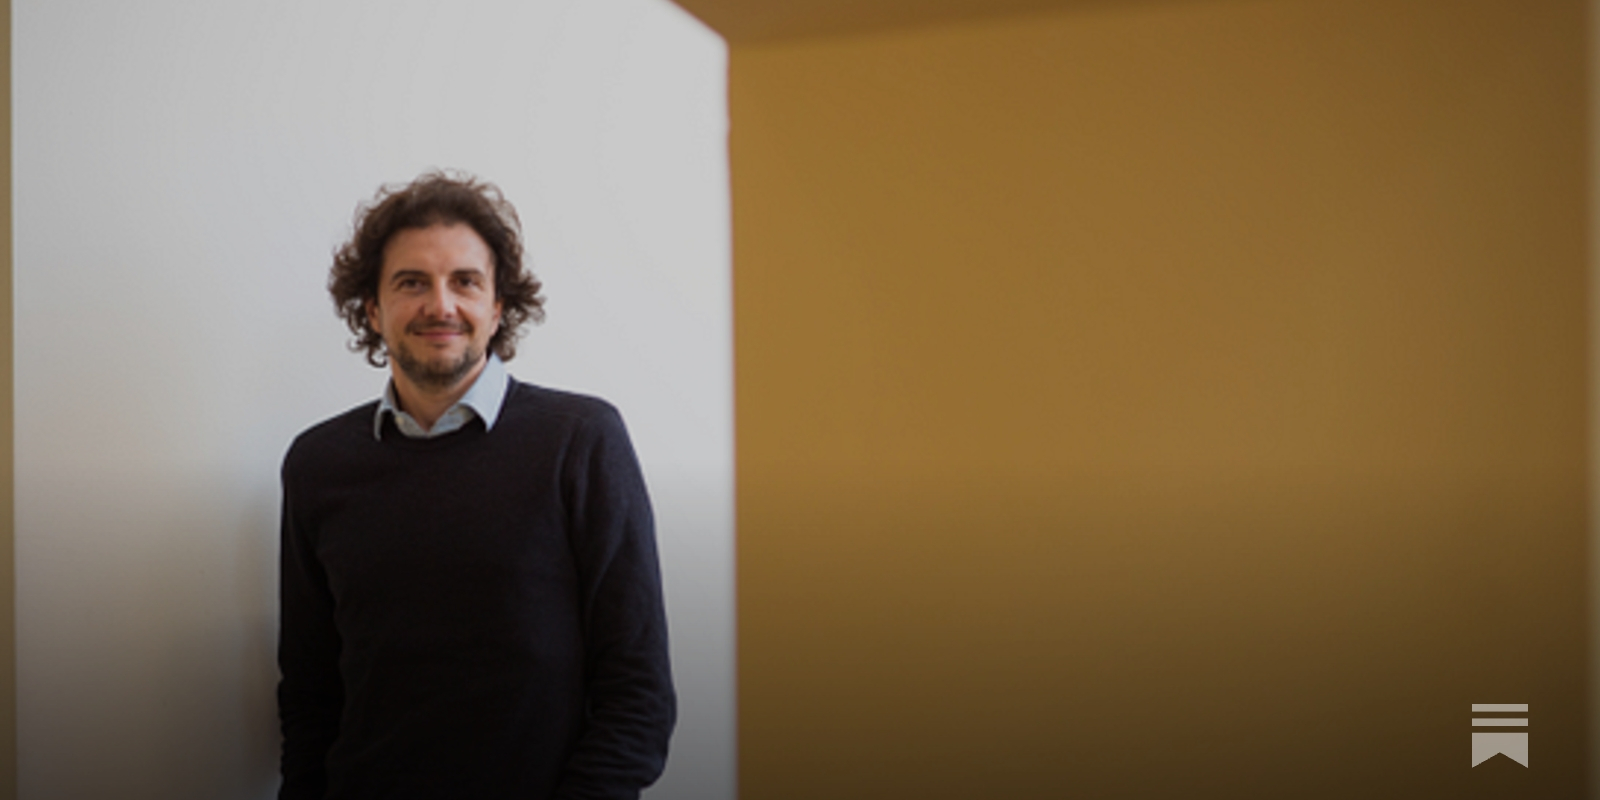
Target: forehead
<point>442,247</point>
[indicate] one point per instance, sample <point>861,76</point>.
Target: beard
<point>441,374</point>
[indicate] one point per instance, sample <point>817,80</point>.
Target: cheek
<point>383,317</point>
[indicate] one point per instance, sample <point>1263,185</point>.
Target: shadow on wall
<point>185,670</point>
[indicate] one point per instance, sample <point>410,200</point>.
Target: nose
<point>441,301</point>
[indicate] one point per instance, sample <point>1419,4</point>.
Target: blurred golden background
<point>1158,399</point>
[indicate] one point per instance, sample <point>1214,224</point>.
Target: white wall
<point>183,169</point>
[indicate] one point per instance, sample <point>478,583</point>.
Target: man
<point>471,603</point>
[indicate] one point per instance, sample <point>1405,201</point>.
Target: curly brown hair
<point>434,198</point>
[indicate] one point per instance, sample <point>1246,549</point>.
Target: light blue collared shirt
<point>482,400</point>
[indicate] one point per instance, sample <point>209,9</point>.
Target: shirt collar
<point>483,399</point>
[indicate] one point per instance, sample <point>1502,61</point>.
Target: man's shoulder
<point>542,405</point>
<point>336,432</point>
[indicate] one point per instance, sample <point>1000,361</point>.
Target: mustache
<point>432,327</point>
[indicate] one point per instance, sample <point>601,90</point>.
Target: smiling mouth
<point>436,332</point>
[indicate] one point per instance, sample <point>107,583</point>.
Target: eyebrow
<point>455,273</point>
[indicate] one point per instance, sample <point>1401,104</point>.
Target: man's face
<point>436,308</point>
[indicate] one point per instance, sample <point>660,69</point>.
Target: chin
<point>439,370</point>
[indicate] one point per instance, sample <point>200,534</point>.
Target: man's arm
<point>310,693</point>
<point>631,704</point>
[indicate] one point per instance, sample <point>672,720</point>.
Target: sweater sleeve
<point>310,692</point>
<point>631,707</point>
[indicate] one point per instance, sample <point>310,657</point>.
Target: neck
<point>426,404</point>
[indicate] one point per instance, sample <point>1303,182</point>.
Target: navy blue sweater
<point>473,616</point>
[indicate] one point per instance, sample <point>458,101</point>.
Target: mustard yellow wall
<point>1160,399</point>
<point>743,21</point>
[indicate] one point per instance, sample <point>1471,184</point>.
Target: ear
<point>373,320</point>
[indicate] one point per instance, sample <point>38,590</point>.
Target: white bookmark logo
<point>1487,745</point>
